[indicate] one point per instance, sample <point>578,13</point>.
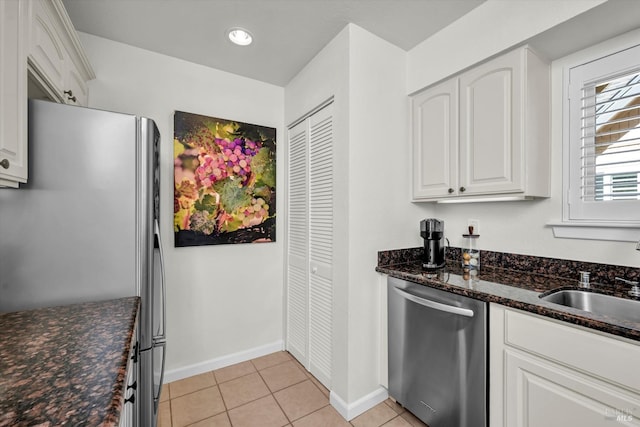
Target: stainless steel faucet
<point>584,279</point>
<point>635,289</point>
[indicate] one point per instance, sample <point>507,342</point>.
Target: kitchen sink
<point>606,305</point>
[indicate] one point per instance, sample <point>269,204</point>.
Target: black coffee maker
<point>432,231</point>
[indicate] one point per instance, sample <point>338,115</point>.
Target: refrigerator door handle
<point>156,398</point>
<point>156,230</point>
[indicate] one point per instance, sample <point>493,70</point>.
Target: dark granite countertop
<point>65,365</point>
<point>513,288</point>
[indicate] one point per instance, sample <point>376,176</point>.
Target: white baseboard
<point>350,411</point>
<point>223,361</point>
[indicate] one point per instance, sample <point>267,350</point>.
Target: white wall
<point>380,214</point>
<point>366,77</point>
<point>487,30</point>
<point>517,227</point>
<point>221,299</point>
<point>326,76</point>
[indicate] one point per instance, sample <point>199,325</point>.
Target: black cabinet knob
<point>70,96</point>
<point>450,190</point>
<point>462,189</point>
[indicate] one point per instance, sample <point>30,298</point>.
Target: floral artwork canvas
<point>224,181</point>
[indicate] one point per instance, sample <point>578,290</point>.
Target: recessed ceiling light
<point>240,36</point>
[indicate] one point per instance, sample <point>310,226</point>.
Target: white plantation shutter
<point>610,140</point>
<point>310,243</point>
<point>604,132</point>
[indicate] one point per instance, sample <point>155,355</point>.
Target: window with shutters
<point>603,156</point>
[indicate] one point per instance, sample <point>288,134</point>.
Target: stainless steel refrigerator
<point>85,226</point>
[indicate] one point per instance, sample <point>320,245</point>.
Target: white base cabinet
<point>484,133</point>
<point>547,373</point>
<point>129,414</point>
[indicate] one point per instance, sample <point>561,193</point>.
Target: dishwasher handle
<point>435,305</point>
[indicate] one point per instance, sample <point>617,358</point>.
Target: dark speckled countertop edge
<point>66,365</point>
<point>509,288</point>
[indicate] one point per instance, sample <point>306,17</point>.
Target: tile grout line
<point>274,397</point>
<point>226,408</point>
<point>308,377</point>
<point>271,393</point>
<point>234,378</point>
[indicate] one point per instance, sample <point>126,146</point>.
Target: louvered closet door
<point>310,243</point>
<point>320,243</point>
<point>298,244</point>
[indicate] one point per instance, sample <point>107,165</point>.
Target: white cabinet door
<point>36,40</point>
<point>47,54</point>
<point>76,91</point>
<point>310,243</point>
<point>484,133</point>
<point>549,373</point>
<point>13,93</point>
<point>435,141</point>
<point>541,394</point>
<point>129,414</point>
<point>490,131</point>
<point>55,57</point>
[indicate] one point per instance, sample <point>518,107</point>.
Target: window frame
<point>585,226</point>
<point>607,67</point>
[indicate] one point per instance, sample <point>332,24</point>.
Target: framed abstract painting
<point>224,181</point>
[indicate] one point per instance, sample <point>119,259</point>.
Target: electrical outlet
<point>476,225</point>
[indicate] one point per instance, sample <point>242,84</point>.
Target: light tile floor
<point>270,391</point>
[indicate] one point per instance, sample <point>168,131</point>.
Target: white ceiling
<point>287,33</point>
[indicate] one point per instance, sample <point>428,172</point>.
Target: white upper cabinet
<point>56,60</point>
<point>485,133</point>
<point>46,52</point>
<point>40,56</point>
<point>435,136</point>
<point>13,94</point>
<point>490,133</point>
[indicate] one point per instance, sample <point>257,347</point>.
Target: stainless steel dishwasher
<point>438,354</point>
